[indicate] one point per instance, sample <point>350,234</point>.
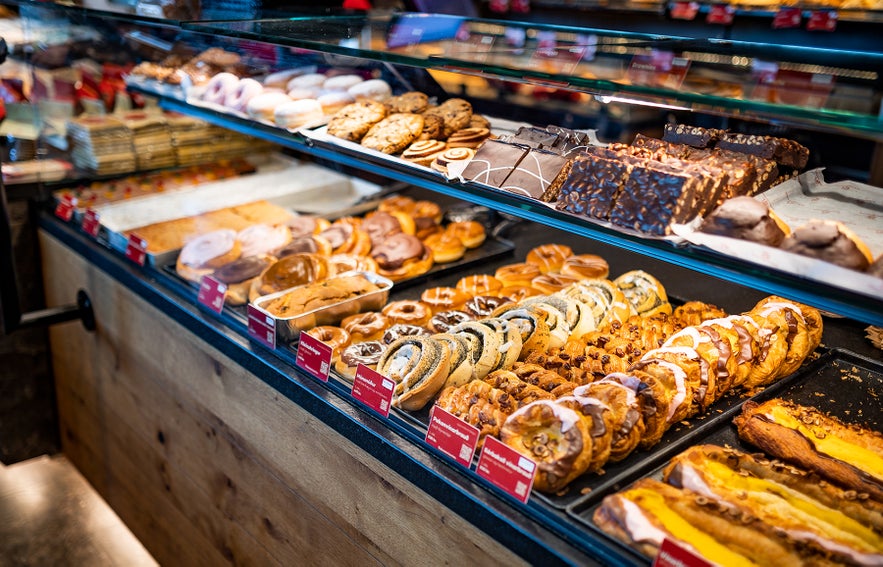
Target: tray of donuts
<point>794,476</point>
<point>512,352</point>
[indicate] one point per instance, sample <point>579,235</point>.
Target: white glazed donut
<point>200,250</point>
<point>219,87</point>
<point>246,90</point>
<point>305,92</point>
<point>332,102</point>
<point>280,79</point>
<point>297,113</point>
<point>374,89</point>
<point>263,105</point>
<point>341,82</point>
<point>308,80</point>
<point>262,238</point>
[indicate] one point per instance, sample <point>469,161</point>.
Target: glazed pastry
<point>341,263</point>
<point>304,245</point>
<point>746,218</point>
<point>657,399</point>
<point>263,239</point>
<point>829,241</point>
<point>306,225</point>
<point>480,284</point>
<point>848,455</point>
<point>288,272</point>
<point>238,276</point>
<point>419,366</point>
<point>811,316</point>
<point>444,298</point>
<point>446,247</point>
<point>460,371</point>
<point>542,378</point>
<point>427,210</point>
<point>382,225</point>
<point>341,82</point>
<point>471,233</point>
<point>716,345</point>
<point>363,327</point>
<point>219,87</point>
<point>443,321</point>
<point>200,256</point>
<point>699,375</point>
<point>399,203</point>
<point>522,392</point>
<point>531,322</point>
<point>518,292</point>
<point>347,239</point>
<point>373,90</point>
<point>644,292</point>
<point>298,113</point>
<point>451,157</point>
<point>468,137</point>
<point>626,412</point>
<point>399,330</point>
<point>484,346</point>
<point>787,323</point>
<point>335,337</point>
<point>367,353</point>
<point>679,389</point>
<point>552,283</point>
<point>694,312</point>
<point>743,334</point>
<point>482,306</point>
<point>402,256</point>
<point>517,274</point>
<point>263,106</point>
<point>245,90</point>
<point>549,257</point>
<point>478,404</point>
<point>407,312</point>
<point>585,266</point>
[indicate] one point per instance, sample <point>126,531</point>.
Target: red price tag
<point>787,18</point>
<point>373,389</point>
<point>452,436</point>
<point>261,327</point>
<point>822,20</point>
<point>211,293</point>
<point>65,209</point>
<point>684,10</point>
<point>136,249</point>
<point>673,555</point>
<point>90,223</point>
<point>506,468</point>
<point>314,356</point>
<point>720,14</point>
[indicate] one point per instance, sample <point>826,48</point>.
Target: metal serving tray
<point>288,328</point>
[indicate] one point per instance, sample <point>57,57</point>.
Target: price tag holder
<point>452,436</point>
<point>136,249</point>
<point>787,18</point>
<point>314,356</point>
<point>373,389</point>
<point>673,555</point>
<point>261,327</point>
<point>822,20</point>
<point>720,14</point>
<point>211,293</point>
<point>65,208</point>
<point>506,468</point>
<point>684,10</point>
<point>90,223</point>
<point>658,69</point>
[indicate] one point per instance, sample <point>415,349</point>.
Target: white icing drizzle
<point>690,332</point>
<point>778,305</point>
<point>680,385</point>
<point>630,395</point>
<point>639,527</point>
<point>587,399</point>
<point>566,417</point>
<point>505,346</point>
<point>857,556</point>
<point>692,480</point>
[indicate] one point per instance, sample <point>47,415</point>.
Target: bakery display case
<point>446,190</point>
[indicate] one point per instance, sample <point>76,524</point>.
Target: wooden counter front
<point>208,464</point>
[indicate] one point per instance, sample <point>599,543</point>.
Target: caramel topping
<point>396,250</point>
<point>242,269</point>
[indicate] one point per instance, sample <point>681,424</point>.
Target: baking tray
<point>840,382</point>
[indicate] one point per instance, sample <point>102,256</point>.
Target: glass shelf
<point>773,83</point>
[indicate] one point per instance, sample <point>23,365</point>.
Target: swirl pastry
<point>644,293</point>
<point>484,346</point>
<point>626,412</point>
<point>517,274</point>
<point>443,321</point>
<point>444,298</point>
<point>367,353</point>
<point>460,371</point>
<point>607,302</point>
<point>531,323</point>
<point>450,157</point>
<point>263,239</point>
<point>468,138</point>
<point>288,272</point>
<point>419,366</point>
<point>407,312</point>
<point>347,239</point>
<point>510,342</point>
<point>200,256</point>
<point>423,152</point>
<point>238,275</point>
<point>479,404</point>
<point>549,257</point>
<point>402,256</point>
<point>577,315</point>
<point>471,233</point>
<point>584,266</point>
<point>368,326</point>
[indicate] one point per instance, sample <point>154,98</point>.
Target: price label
<point>506,468</point>
<point>720,14</point>
<point>136,249</point>
<point>65,208</point>
<point>787,18</point>
<point>684,10</point>
<point>90,223</point>
<point>211,293</point>
<point>452,436</point>
<point>658,69</point>
<point>474,47</point>
<point>822,20</point>
<point>673,555</point>
<point>794,87</point>
<point>373,389</point>
<point>261,327</point>
<point>314,356</point>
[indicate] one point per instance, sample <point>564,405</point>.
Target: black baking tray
<point>840,382</point>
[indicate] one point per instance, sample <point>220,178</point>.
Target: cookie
<point>394,133</point>
<point>413,101</point>
<point>432,127</point>
<point>456,114</point>
<point>354,120</point>
<point>479,121</point>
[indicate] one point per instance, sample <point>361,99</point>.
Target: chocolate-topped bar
<point>593,183</point>
<point>783,151</point>
<point>536,137</point>
<point>765,170</point>
<point>538,175</point>
<point>493,161</point>
<point>695,136</point>
<point>653,197</point>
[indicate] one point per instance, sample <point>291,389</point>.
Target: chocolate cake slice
<point>493,161</point>
<point>537,175</point>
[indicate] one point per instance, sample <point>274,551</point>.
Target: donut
<point>335,337</point>
<point>366,353</point>
<point>302,93</point>
<point>346,239</point>
<point>397,203</point>
<point>585,266</point>
<point>472,233</point>
<point>309,244</point>
<point>374,89</point>
<point>444,298</point>
<point>517,274</point>
<point>445,247</point>
<point>264,105</point>
<point>263,239</point>
<point>303,225</point>
<point>482,306</point>
<point>549,257</point>
<point>200,256</point>
<point>298,113</point>
<point>238,276</point>
<point>427,210</point>
<point>219,87</point>
<point>400,330</point>
<point>341,82</point>
<point>279,79</point>
<point>334,101</point>
<point>381,226</point>
<point>407,312</point>
<point>402,256</point>
<point>290,271</point>
<point>552,283</point>
<point>307,80</point>
<point>244,91</point>
<point>481,284</point>
<point>340,263</point>
<point>367,326</point>
<point>441,322</point>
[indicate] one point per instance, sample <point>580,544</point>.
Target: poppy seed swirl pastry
<point>460,371</point>
<point>535,333</point>
<point>419,365</point>
<point>484,346</point>
<point>644,293</point>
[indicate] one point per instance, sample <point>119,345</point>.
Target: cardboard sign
<point>673,555</point>
<point>314,356</point>
<point>684,10</point>
<point>211,293</point>
<point>90,223</point>
<point>373,389</point>
<point>261,327</point>
<point>506,468</point>
<point>452,436</point>
<point>136,249</point>
<point>822,20</point>
<point>787,18</point>
<point>720,14</point>
<point>658,69</point>
<point>65,209</point>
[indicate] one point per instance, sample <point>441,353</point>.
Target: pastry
<point>480,284</point>
<point>305,225</point>
<point>876,267</point>
<point>314,296</point>
<point>450,157</point>
<point>263,106</point>
<point>460,370</point>
<point>471,233</point>
<point>419,366</point>
<point>397,203</point>
<point>288,272</point>
<point>517,274</point>
<point>304,245</point>
<point>531,323</point>
<point>280,79</point>
<point>354,120</point>
<point>408,312</point>
<point>238,276</point>
<point>831,242</point>
<point>679,390</point>
<point>219,88</point>
<point>423,152</point>
<point>549,257</point>
<point>468,138</point>
<point>372,90</point>
<point>347,239</point>
<point>412,102</point>
<point>552,283</point>
<point>202,254</point>
<point>441,322</point>
<point>788,326</point>
<point>368,326</point>
<point>606,301</point>
<point>523,393</point>
<point>306,80</point>
<point>446,247</point>
<point>585,266</point>
<point>694,312</point>
<point>518,292</point>
<point>341,263</point>
<point>333,102</point>
<point>367,353</point>
<point>509,337</point>
<point>263,239</point>
<point>644,292</point>
<point>381,225</point>
<point>479,404</point>
<point>394,133</point>
<point>484,346</point>
<point>444,298</point>
<point>482,306</point>
<point>399,330</point>
<point>748,219</point>
<point>402,256</point>
<point>237,99</point>
<point>335,337</point>
<point>341,82</point>
<point>623,399</point>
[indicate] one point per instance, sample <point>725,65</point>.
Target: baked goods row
<point>814,496</point>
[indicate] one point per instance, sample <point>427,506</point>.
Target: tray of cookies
<point>794,446</point>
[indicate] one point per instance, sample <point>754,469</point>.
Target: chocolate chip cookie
<point>413,102</point>
<point>456,114</point>
<point>394,133</point>
<point>353,121</point>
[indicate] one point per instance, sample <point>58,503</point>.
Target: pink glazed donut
<point>219,87</point>
<point>238,98</point>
